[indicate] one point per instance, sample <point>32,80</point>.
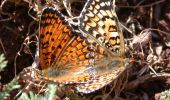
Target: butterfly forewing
<point>65,56</point>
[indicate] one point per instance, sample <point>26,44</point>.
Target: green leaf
<point>165,95</point>
<point>50,94</point>
<point>3,63</point>
<point>8,88</point>
<point>28,96</point>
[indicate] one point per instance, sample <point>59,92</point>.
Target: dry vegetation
<point>146,28</point>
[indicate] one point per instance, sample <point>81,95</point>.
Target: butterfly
<point>90,59</point>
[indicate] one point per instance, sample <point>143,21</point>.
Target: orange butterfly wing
<point>65,56</point>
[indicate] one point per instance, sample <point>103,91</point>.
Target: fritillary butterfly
<point>90,59</point>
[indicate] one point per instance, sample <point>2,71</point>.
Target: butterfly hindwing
<point>100,81</point>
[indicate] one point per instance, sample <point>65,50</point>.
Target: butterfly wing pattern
<point>98,21</point>
<point>90,59</point>
<point>64,55</point>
